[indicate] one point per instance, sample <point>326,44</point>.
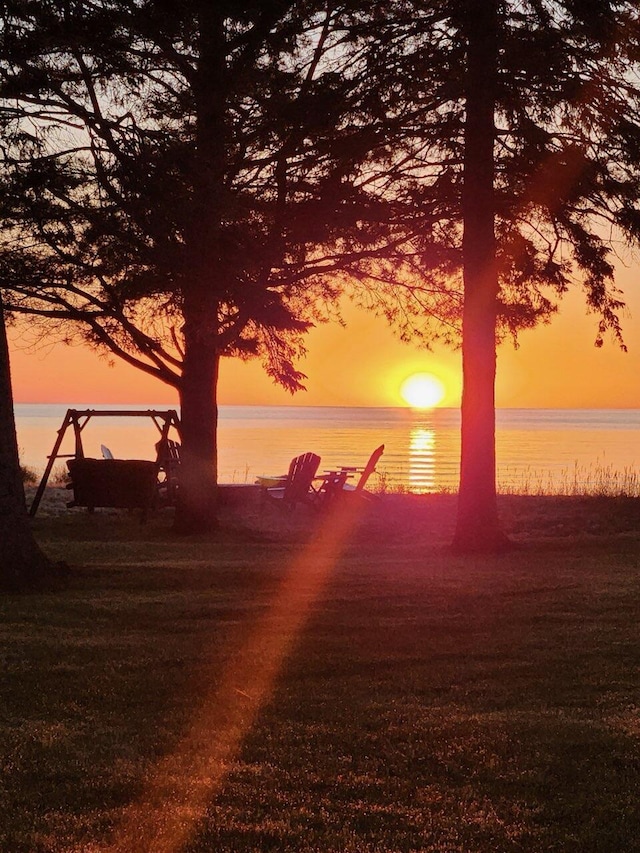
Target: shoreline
<point>538,450</point>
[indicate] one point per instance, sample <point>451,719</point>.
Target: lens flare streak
<point>180,789</point>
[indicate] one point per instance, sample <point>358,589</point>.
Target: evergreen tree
<point>190,182</point>
<point>529,167</point>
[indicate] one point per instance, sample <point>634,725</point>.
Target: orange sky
<point>364,365</point>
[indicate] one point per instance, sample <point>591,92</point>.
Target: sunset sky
<point>364,365</point>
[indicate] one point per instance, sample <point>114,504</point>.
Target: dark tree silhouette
<point>477,522</point>
<point>548,142</point>
<point>530,167</point>
<point>191,182</point>
<point>22,564</point>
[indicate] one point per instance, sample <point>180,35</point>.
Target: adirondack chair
<point>365,472</point>
<point>297,486</point>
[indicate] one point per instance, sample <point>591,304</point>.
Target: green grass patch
<point>429,702</point>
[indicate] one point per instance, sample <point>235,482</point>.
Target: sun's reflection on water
<point>422,458</point>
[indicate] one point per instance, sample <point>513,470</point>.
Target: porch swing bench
<point>121,483</point>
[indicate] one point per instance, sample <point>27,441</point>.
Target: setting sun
<point>422,391</point>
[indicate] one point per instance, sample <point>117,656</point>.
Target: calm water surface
<point>537,448</point>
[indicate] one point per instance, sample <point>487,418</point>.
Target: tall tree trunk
<point>22,563</point>
<point>478,527</point>
<point>196,510</point>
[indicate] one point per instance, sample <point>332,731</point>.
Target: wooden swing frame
<point>77,419</point>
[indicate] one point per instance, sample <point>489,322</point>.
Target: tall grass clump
<point>59,476</point>
<point>595,480</point>
<point>382,483</point>
<point>29,475</point>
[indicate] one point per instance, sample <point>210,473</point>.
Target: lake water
<point>538,449</point>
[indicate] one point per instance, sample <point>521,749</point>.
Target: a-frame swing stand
<point>123,489</point>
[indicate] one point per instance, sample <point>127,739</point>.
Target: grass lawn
<point>360,689</point>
